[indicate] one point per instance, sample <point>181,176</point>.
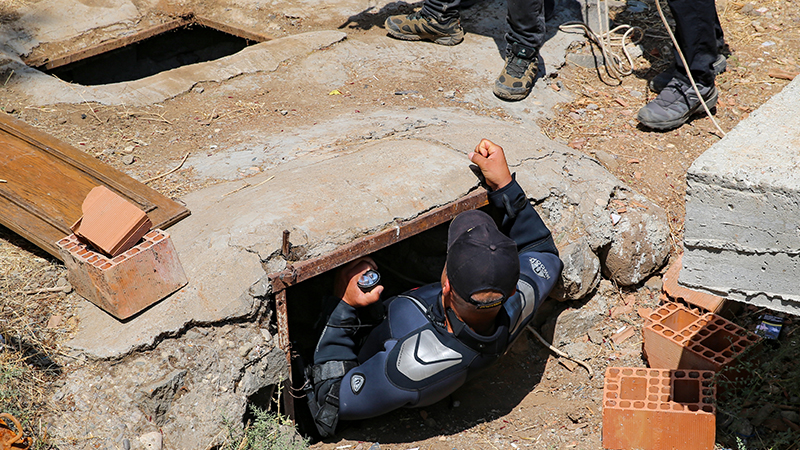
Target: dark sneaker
<point>660,81</point>
<point>516,79</point>
<point>416,27</point>
<point>676,103</point>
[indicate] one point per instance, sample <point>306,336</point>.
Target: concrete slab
<point>57,20</point>
<point>222,244</point>
<point>263,57</point>
<point>743,199</point>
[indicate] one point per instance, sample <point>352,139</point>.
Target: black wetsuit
<point>410,359</point>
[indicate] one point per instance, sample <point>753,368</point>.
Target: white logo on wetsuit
<point>356,383</point>
<point>539,268</point>
<point>423,355</point>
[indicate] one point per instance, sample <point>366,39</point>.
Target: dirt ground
<point>529,399</point>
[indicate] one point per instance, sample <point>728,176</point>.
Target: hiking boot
<point>660,81</point>
<point>416,27</point>
<point>676,103</point>
<point>516,80</point>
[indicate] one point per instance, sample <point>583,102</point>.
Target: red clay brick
<point>111,223</point>
<point>679,338</point>
<point>655,409</point>
<point>128,283</point>
<point>675,291</point>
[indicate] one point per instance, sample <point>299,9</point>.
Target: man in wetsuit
<point>434,338</point>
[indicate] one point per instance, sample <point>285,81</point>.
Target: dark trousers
<point>699,36</point>
<point>525,20</point>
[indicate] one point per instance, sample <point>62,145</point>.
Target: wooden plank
<point>46,181</point>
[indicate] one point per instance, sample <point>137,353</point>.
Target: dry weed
<point>32,328</point>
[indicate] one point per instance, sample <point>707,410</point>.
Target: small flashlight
<point>369,280</point>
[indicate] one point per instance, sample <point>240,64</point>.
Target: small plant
<point>268,431</point>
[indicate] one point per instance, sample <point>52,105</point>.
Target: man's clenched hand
<point>489,157</point>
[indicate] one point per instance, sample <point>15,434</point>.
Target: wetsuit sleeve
<point>540,266</point>
<point>520,221</point>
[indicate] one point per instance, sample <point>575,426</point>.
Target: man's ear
<point>445,286</point>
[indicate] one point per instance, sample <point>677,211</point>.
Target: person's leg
<point>695,23</point>
<point>437,21</point>
<point>526,22</point>
<point>441,10</point>
<point>689,16</point>
<point>678,101</point>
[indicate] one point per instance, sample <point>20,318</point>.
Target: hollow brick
<point>655,409</point>
<point>678,338</point>
<point>128,283</point>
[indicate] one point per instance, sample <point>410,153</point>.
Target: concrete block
<point>128,283</point>
<point>742,237</point>
<point>679,338</point>
<point>653,409</point>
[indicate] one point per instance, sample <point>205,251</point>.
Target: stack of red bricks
<point>671,404</point>
<point>115,260</point>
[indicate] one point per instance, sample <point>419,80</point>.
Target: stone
<point>574,322</point>
<point>152,441</point>
<point>155,398</point>
<point>640,246</point>
<point>579,350</point>
<point>581,273</point>
<point>654,283</point>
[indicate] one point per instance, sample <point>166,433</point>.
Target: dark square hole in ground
<point>410,263</point>
<point>189,44</point>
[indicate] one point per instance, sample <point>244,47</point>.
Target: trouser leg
<point>441,10</point>
<point>526,25</point>
<point>695,22</point>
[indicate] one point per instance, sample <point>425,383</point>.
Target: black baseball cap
<point>480,257</point>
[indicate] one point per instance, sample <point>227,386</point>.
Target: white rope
<point>606,39</point>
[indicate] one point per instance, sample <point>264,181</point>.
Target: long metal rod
<point>286,346</point>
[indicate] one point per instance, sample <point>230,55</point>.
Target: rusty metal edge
<point>285,345</point>
<point>43,63</point>
<point>244,34</point>
<point>304,270</point>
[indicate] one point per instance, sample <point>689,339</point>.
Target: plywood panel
<point>46,181</point>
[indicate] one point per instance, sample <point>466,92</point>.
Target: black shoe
<point>416,27</point>
<point>660,81</point>
<point>676,103</point>
<point>516,80</point>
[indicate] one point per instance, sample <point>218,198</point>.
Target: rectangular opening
<point>409,254</point>
<point>719,341</point>
<point>679,320</point>
<point>633,388</point>
<point>686,391</point>
<point>183,41</point>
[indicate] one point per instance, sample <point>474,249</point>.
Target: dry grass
<point>32,327</point>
